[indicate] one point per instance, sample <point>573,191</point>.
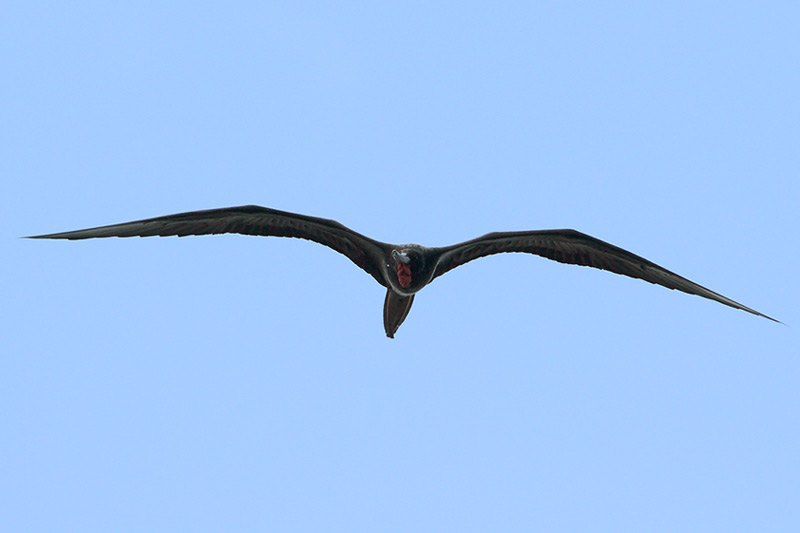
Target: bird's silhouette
<point>404,269</point>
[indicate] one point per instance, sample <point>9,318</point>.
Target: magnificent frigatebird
<point>403,269</point>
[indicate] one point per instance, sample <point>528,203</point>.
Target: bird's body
<point>403,269</point>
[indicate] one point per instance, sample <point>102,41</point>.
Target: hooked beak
<point>400,256</point>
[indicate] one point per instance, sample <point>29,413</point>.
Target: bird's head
<point>407,271</point>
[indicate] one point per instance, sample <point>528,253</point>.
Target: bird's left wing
<point>576,248</point>
<point>366,253</point>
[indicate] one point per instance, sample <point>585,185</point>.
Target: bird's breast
<point>404,276</point>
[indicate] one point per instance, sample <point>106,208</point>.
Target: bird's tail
<point>395,310</point>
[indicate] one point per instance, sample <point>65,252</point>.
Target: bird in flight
<point>403,269</point>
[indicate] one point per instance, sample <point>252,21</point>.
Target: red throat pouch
<point>404,275</point>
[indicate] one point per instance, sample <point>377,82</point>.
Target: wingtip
<point>42,236</point>
<point>762,315</point>
<point>775,320</point>
<point>62,236</point>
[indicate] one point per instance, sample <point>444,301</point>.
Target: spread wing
<point>576,248</point>
<point>248,220</point>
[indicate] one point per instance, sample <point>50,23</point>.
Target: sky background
<point>242,383</point>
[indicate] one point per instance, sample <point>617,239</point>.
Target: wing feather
<point>576,248</point>
<point>366,253</point>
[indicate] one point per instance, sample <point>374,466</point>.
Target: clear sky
<point>242,383</point>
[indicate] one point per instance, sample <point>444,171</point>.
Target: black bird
<point>403,269</point>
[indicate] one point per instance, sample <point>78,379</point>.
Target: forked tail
<point>395,310</point>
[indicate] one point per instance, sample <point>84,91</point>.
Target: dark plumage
<point>403,269</point>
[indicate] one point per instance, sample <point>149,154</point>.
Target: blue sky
<point>238,383</point>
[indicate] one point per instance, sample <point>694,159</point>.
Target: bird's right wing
<point>576,248</point>
<point>366,253</point>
